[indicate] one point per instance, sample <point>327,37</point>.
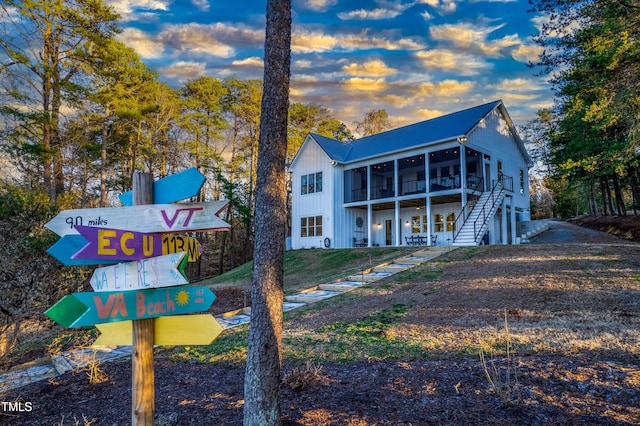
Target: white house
<point>459,179</point>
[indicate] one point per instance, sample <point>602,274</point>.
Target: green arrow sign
<point>83,309</point>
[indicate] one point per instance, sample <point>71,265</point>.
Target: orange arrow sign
<point>168,331</point>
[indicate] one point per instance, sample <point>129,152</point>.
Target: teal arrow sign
<point>84,309</point>
<point>173,188</point>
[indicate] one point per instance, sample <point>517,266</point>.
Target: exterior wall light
<point>462,139</point>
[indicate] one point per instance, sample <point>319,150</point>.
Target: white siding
<point>312,159</point>
<point>492,135</point>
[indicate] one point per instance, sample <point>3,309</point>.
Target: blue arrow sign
<point>179,186</point>
<point>68,245</point>
<point>84,309</point>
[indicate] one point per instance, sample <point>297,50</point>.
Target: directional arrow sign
<point>172,243</point>
<point>180,330</point>
<point>83,309</point>
<point>69,245</point>
<point>173,188</point>
<point>68,249</point>
<point>116,244</point>
<point>158,218</point>
<point>155,272</point>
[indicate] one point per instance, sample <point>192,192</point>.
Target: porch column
<point>429,220</point>
<point>513,223</point>
<point>463,178</point>
<point>397,223</point>
<point>503,231</point>
<point>369,224</point>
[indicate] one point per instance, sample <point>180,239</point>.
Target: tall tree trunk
<point>593,204</point>
<point>264,354</point>
<point>634,183</point>
<point>103,160</point>
<point>622,210</point>
<point>607,207</point>
<point>56,141</point>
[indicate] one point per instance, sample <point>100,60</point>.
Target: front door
<point>388,232</point>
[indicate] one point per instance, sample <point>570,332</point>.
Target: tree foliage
<point>593,50</point>
<point>374,122</point>
<point>45,47</point>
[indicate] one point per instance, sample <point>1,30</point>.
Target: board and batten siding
<point>312,159</point>
<point>493,136</point>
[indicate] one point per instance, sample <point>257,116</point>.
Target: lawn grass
<point>306,268</point>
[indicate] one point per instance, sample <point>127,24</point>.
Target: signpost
<point>170,189</point>
<point>69,248</point>
<point>154,272</point>
<point>201,329</point>
<point>140,303</point>
<point>91,308</point>
<point>156,218</point>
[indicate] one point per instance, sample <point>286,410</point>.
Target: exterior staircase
<point>476,224</point>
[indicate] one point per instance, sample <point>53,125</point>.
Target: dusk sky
<point>415,59</point>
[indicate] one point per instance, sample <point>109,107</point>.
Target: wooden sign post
<point>142,369</point>
<point>140,303</point>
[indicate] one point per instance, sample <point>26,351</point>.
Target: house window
<point>451,222</point>
<point>438,222</point>
<point>311,183</point>
<point>415,224</point>
<point>419,224</point>
<point>311,226</point>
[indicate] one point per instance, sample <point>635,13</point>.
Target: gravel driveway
<point>566,233</point>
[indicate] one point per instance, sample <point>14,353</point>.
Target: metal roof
<point>446,127</point>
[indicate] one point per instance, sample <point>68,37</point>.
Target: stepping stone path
<point>67,361</point>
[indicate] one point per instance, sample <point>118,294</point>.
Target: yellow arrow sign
<point>176,243</point>
<point>176,330</point>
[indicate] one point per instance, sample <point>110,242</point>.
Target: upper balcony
<point>378,181</point>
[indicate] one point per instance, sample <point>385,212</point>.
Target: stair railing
<point>461,217</point>
<point>501,184</point>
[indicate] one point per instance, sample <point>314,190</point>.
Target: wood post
<point>142,368</point>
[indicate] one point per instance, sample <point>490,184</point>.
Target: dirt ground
<point>572,298</point>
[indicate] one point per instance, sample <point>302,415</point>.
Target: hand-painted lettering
<point>190,211</point>
<point>123,243</point>
<point>114,306</point>
<point>104,241</point>
<point>159,307</point>
<point>147,245</point>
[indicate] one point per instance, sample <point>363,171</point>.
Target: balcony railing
<point>413,187</point>
<point>444,183</point>
<point>355,195</point>
<point>378,192</point>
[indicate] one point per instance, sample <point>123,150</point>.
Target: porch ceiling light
<point>462,139</point>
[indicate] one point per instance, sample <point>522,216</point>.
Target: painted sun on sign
<point>182,298</point>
